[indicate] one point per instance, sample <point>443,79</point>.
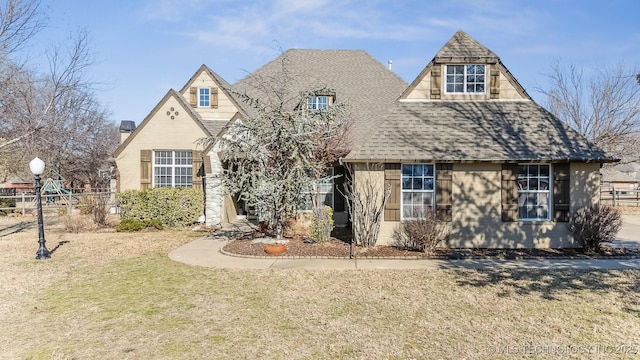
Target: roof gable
<point>186,108</point>
<point>463,49</point>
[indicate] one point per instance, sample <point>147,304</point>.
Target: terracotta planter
<point>275,249</point>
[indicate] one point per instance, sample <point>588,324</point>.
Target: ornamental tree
<point>276,152</point>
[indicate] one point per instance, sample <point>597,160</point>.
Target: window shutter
<point>214,98</point>
<point>436,82</point>
<point>145,169</point>
<point>444,195</point>
<point>561,191</point>
<point>193,96</point>
<point>495,83</point>
<point>338,189</point>
<point>197,169</point>
<point>509,192</point>
<point>392,179</point>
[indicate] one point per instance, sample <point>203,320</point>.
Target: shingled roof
<point>463,46</point>
<point>475,131</point>
<point>359,80</point>
<point>499,130</point>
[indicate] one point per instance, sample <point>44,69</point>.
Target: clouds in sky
<point>160,43</point>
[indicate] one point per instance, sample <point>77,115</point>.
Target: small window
<point>204,97</point>
<point>534,191</point>
<point>465,79</point>
<point>317,102</point>
<point>418,185</point>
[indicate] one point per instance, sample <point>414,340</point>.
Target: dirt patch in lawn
<point>338,246</point>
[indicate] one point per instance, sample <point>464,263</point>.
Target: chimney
<point>126,128</point>
<point>390,62</point>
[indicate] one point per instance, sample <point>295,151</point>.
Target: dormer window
<point>465,79</point>
<point>317,102</point>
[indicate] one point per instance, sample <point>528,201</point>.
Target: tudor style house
<point>464,138</point>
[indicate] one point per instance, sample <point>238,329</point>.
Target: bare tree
<point>366,199</point>
<point>20,20</point>
<point>53,113</point>
<point>604,106</point>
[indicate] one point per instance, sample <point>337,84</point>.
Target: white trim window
<point>317,102</point>
<point>465,79</point>
<point>172,168</point>
<point>323,189</point>
<point>204,97</point>
<point>418,189</point>
<point>534,191</point>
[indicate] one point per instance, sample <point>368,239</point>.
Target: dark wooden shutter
<point>509,192</point>
<point>494,83</point>
<point>214,98</point>
<point>193,96</point>
<point>145,169</point>
<point>436,82</point>
<point>444,194</point>
<point>197,169</point>
<point>338,189</point>
<point>392,178</point>
<point>561,190</point>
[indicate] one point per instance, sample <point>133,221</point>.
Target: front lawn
<point>109,295</point>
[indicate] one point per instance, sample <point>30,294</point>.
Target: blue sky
<point>142,48</point>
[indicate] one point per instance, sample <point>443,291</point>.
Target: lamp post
<point>37,168</point>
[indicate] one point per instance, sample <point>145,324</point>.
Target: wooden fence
<point>620,194</point>
<point>24,203</point>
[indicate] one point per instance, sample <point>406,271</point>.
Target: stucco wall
<point>476,220</point>
<point>226,109</point>
<point>159,132</point>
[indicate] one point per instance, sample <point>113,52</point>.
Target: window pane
<point>427,184</point>
<point>406,183</point>
<point>417,198</point>
<point>450,87</point>
<point>544,170</point>
<point>417,184</point>
<point>428,170</point>
<point>458,88</point>
<point>428,199</point>
<point>406,198</point>
<point>417,170</point>
<point>407,170</point>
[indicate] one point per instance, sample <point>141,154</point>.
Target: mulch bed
<point>338,247</point>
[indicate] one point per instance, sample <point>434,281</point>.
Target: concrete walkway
<point>206,252</point>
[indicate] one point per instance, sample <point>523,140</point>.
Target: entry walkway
<point>207,252</point>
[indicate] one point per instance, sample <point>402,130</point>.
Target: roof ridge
<point>462,45</point>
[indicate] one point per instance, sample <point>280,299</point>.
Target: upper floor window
<point>317,102</point>
<point>465,79</point>
<point>172,169</point>
<point>204,97</point>
<point>418,186</point>
<point>534,196</point>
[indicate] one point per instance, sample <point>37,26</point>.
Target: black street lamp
<point>37,168</point>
